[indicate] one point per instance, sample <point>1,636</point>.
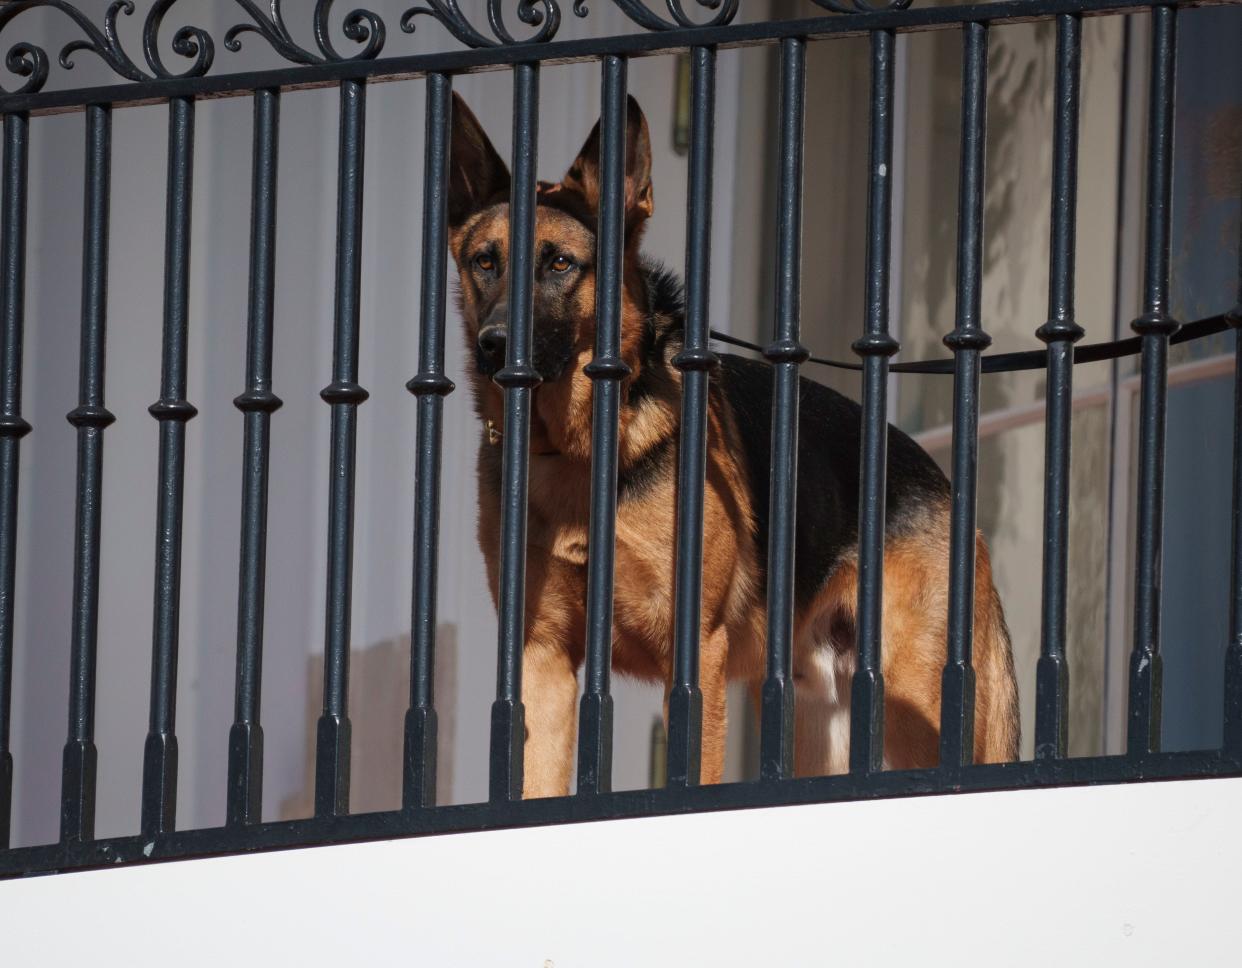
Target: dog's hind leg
<point>823,668</point>
<point>915,633</point>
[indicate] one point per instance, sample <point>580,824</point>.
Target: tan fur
<point>733,616</point>
<point>914,633</point>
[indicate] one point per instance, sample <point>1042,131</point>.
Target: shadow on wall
<point>379,694</point>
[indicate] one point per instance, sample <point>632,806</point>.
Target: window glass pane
<point>1207,165</point>
<point>1194,620</point>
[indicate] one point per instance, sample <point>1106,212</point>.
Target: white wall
<point>1131,875</point>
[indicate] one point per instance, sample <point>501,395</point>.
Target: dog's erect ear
<point>584,175</point>
<point>478,175</point>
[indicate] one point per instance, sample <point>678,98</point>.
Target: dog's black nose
<point>492,341</point>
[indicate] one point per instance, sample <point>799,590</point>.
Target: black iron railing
<point>607,370</point>
<point>701,27</point>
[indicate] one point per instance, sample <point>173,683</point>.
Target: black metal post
<point>89,417</point>
<point>695,361</point>
<point>606,370</point>
<point>12,426</point>
<point>875,347</point>
<point>1060,332</point>
<point>1233,650</point>
<point>1155,327</point>
<point>429,386</point>
<point>957,697</point>
<point>785,354</point>
<point>518,377</point>
<point>173,411</point>
<point>344,395</point>
<point>257,404</point>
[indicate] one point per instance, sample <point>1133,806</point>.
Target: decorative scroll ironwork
<point>31,61</point>
<point>272,29</point>
<point>190,42</point>
<point>196,48</point>
<point>361,26</point>
<point>638,12</point>
<point>861,6</point>
<point>545,15</point>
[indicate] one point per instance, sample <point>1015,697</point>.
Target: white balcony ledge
<point>1142,874</point>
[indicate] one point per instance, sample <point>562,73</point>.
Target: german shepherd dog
<point>916,551</point>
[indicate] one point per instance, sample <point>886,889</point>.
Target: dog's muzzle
<point>491,348</point>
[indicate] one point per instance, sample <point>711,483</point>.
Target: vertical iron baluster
<point>695,361</point>
<point>430,387</point>
<point>1155,327</point>
<point>89,417</point>
<point>343,394</point>
<point>785,354</point>
<point>1060,332</point>
<point>12,427</point>
<point>875,347</point>
<point>1233,650</point>
<point>957,696</point>
<point>257,404</point>
<point>518,377</point>
<point>606,371</point>
<point>173,411</point>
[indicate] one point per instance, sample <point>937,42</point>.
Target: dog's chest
<point>644,557</point>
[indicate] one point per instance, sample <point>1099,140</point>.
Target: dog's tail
<point>998,731</point>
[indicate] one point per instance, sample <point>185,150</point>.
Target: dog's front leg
<point>550,697</point>
<point>714,685</point>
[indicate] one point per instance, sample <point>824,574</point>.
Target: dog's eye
<point>562,263</point>
<point>485,262</point>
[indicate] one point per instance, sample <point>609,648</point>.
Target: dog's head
<point>566,218</point>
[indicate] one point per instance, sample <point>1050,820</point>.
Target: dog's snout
<point>492,340</point>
